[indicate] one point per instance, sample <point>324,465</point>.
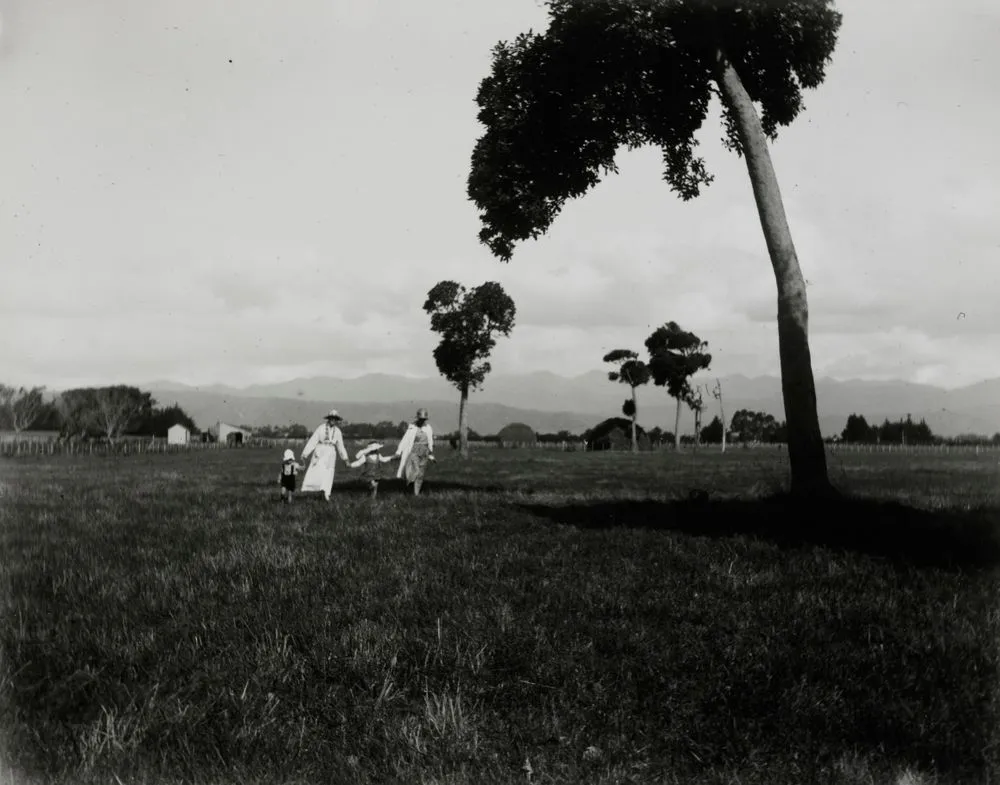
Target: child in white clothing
<point>289,470</point>
<point>372,462</point>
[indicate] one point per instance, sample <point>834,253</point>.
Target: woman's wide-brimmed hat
<point>422,414</point>
<point>333,415</point>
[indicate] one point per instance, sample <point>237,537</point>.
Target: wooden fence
<point>10,448</point>
<point>130,446</point>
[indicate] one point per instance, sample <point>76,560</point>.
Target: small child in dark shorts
<point>289,470</point>
<point>372,462</point>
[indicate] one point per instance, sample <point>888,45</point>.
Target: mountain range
<point>550,403</point>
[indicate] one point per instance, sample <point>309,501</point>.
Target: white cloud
<point>164,212</point>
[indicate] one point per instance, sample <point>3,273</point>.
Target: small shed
<point>231,434</point>
<point>178,434</point>
<point>517,435</point>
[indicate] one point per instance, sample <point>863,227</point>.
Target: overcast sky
<point>221,191</point>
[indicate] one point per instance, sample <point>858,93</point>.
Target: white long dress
<point>326,443</point>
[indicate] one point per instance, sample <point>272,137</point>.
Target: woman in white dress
<point>415,449</point>
<point>326,443</point>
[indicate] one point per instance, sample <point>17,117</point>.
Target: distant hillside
<point>487,418</point>
<point>548,402</point>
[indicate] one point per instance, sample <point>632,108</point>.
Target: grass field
<point>536,617</point>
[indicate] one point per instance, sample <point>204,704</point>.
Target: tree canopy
<point>468,322</point>
<point>631,370</point>
<point>20,407</point>
<point>608,74</point>
<point>675,355</point>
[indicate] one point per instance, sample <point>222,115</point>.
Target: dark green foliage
<point>49,418</point>
<point>608,74</point>
<point>751,426</point>
<point>631,370</point>
<point>364,430</point>
<point>517,433</point>
<point>615,434</point>
<point>160,420</point>
<point>903,431</point>
<point>659,436</point>
<point>165,620</point>
<point>106,412</point>
<point>561,436</point>
<point>468,322</point>
<point>712,433</point>
<point>21,407</point>
<point>675,355</point>
<point>857,430</point>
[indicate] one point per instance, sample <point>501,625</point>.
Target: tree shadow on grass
<point>395,487</point>
<point>954,539</point>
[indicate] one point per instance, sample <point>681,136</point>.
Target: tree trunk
<point>677,426</point>
<point>722,416</point>
<point>635,413</point>
<point>806,453</point>
<point>463,423</point>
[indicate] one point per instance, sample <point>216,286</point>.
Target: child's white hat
<point>289,455</point>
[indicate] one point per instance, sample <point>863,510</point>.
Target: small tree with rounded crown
<point>633,372</point>
<point>467,322</point>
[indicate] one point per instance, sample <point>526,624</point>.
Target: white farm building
<point>178,434</point>
<point>230,434</point>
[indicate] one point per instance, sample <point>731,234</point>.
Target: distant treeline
<point>904,431</point>
<point>89,412</point>
<point>120,410</point>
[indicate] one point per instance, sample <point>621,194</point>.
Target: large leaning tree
<point>633,372</point>
<point>617,73</point>
<point>467,322</point>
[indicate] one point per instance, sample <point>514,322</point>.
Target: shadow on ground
<point>394,487</point>
<point>890,530</point>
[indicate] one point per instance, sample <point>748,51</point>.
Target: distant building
<point>178,434</point>
<point>231,434</point>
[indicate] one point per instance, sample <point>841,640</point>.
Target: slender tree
<point>7,394</point>
<point>119,408</point>
<point>109,411</point>
<point>26,407</point>
<point>675,355</point>
<point>611,73</point>
<point>696,404</point>
<point>633,372</point>
<point>717,394</point>
<point>76,411</point>
<point>467,322</point>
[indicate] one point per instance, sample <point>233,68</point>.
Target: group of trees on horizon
<point>675,355</point>
<point>903,431</point>
<point>114,411</point>
<point>108,412</point>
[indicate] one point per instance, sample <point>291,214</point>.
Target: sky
<point>200,194</point>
